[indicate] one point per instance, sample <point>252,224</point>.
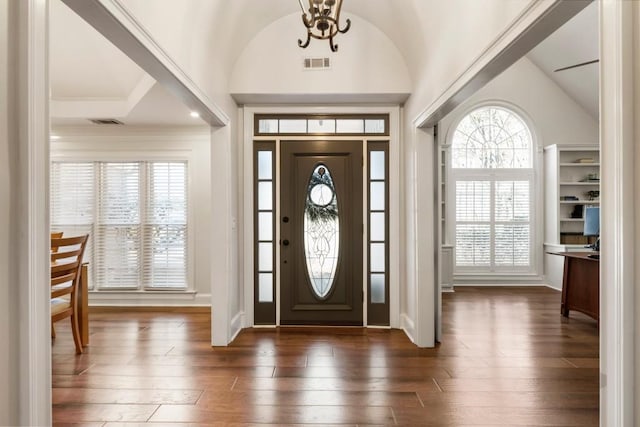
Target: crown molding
<point>113,20</point>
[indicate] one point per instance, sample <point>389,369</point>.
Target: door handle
<point>285,242</point>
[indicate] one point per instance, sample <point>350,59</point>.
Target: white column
<point>425,236</point>
<point>221,236</point>
<point>25,362</point>
<point>619,234</point>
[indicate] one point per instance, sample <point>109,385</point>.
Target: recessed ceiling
<point>92,79</point>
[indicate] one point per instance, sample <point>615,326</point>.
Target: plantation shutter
<point>512,230</point>
<point>72,202</point>
<point>118,230</point>
<point>165,226</point>
<point>473,223</point>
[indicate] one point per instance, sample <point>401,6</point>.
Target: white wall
<point>131,143</point>
<point>367,61</point>
<point>557,118</point>
<point>9,356</point>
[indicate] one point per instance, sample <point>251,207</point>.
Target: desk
<point>580,284</point>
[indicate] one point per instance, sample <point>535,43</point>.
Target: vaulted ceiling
<point>90,78</point>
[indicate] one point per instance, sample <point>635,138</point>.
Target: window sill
<point>149,298</point>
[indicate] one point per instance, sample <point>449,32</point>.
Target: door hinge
<point>362,295</point>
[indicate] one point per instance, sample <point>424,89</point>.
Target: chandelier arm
<point>309,23</point>
<point>334,47</point>
<point>305,44</point>
<point>346,27</point>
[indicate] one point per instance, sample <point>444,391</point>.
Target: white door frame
<point>246,171</point>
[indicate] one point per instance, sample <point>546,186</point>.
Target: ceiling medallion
<point>322,21</point>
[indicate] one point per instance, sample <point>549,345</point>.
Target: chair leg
<point>76,333</point>
<point>53,331</point>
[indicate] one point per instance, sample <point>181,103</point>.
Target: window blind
<point>72,203</point>
<point>493,223</point>
<point>136,214</point>
<point>165,229</point>
<point>118,232</point>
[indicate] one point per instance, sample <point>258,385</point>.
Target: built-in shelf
<point>580,202</point>
<point>581,183</point>
<point>564,176</point>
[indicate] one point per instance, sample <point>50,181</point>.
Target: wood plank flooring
<point>507,359</point>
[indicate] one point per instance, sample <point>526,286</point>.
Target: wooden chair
<point>66,263</point>
<point>55,235</point>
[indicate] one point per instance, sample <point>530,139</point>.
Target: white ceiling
<point>574,43</point>
<point>90,78</point>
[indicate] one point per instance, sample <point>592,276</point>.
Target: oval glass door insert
<point>321,231</point>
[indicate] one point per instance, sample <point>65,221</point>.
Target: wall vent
<point>316,63</point>
<point>106,121</point>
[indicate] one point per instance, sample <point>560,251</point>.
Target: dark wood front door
<point>321,233</point>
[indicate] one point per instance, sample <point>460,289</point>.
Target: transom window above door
<point>321,124</point>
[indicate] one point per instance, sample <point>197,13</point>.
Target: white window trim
<point>395,212</point>
<point>148,154</point>
<point>535,273</point>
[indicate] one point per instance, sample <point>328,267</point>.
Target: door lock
<point>285,242</point>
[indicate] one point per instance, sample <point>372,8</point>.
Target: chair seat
<point>58,305</point>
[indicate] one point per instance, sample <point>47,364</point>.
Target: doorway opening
<point>321,220</point>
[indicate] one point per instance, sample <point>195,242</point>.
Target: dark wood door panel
<point>336,167</point>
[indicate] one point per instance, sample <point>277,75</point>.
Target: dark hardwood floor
<point>507,359</point>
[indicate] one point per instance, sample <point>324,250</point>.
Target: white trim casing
<point>619,216</point>
<point>395,210</point>
<point>32,213</point>
<point>89,144</point>
<point>533,273</point>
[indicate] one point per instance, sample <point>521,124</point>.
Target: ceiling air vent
<point>316,63</point>
<point>106,122</point>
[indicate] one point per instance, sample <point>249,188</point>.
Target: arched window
<point>492,175</point>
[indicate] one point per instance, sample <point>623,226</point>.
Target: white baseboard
<point>408,326</point>
<point>236,325</point>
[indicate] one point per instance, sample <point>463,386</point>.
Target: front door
<point>321,233</point>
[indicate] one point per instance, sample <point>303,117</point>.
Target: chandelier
<point>322,21</point>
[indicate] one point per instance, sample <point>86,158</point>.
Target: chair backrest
<point>66,263</point>
<point>55,235</point>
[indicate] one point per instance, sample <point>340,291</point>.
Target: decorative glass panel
<point>293,126</point>
<point>374,126</point>
<point>264,164</point>
<point>265,256</point>
<point>265,287</point>
<point>377,257</point>
<point>265,226</point>
<point>376,167</point>
<point>265,196</point>
<point>377,288</point>
<point>349,126</point>
<point>321,231</point>
<point>322,126</point>
<point>268,126</point>
<point>377,196</point>
<point>377,226</point>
